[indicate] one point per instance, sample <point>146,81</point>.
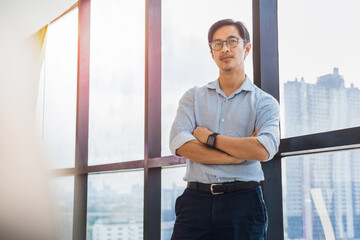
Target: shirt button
<point>226,100</point>
<point>222,120</point>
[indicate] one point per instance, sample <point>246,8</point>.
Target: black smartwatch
<point>211,140</point>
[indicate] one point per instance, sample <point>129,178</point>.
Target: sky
<point>316,36</point>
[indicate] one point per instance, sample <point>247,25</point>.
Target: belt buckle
<point>212,190</point>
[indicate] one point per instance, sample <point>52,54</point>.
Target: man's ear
<point>247,49</point>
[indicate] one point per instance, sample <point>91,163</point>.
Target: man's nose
<point>225,47</point>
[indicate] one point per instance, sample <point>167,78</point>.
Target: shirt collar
<point>246,86</point>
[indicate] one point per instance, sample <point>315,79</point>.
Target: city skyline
<point>321,191</point>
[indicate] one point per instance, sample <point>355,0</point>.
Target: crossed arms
<point>231,150</point>
<point>188,139</point>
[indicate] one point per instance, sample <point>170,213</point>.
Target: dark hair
<point>225,22</point>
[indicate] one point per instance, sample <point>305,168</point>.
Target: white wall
<point>25,17</point>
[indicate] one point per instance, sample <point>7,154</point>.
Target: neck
<point>230,81</point>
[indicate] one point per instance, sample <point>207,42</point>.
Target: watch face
<point>211,140</point>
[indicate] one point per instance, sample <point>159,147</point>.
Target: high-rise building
<point>310,108</point>
<point>117,229</point>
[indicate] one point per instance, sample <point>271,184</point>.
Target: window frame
<point>266,76</point>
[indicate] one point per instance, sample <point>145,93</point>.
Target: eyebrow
<point>231,36</point>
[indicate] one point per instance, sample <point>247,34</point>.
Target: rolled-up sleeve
<point>267,121</point>
<point>184,123</point>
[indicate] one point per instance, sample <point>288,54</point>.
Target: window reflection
<point>321,194</point>
<point>320,86</point>
<point>117,63</point>
<point>56,105</point>
<point>172,186</point>
<point>63,195</point>
<point>115,206</point>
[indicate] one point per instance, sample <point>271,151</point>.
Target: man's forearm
<point>198,152</point>
<point>248,148</point>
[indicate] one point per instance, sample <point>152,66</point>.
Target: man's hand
<point>238,161</point>
<point>255,133</point>
<point>202,134</point>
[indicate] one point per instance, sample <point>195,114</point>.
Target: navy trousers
<point>239,215</point>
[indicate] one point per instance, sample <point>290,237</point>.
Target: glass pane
<point>56,106</point>
<point>172,186</point>
<point>186,58</point>
<point>319,58</point>
<point>117,81</point>
<point>63,192</point>
<point>115,206</point>
<point>321,196</point>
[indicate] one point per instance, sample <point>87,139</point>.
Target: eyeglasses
<point>218,44</point>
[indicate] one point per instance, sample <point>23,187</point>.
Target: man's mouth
<point>227,57</point>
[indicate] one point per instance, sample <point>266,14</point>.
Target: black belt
<point>220,188</point>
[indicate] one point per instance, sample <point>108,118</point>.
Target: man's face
<point>227,58</point>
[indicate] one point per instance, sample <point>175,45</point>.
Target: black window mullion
<point>266,76</point>
<point>82,122</point>
<point>320,142</point>
<point>152,176</point>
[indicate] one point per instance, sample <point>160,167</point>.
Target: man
<point>224,130</point>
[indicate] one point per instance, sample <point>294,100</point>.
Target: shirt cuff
<point>179,140</point>
<point>268,144</point>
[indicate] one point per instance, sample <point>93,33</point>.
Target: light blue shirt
<point>238,115</point>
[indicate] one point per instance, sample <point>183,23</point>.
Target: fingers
<point>255,133</point>
<point>238,161</point>
<point>194,130</point>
